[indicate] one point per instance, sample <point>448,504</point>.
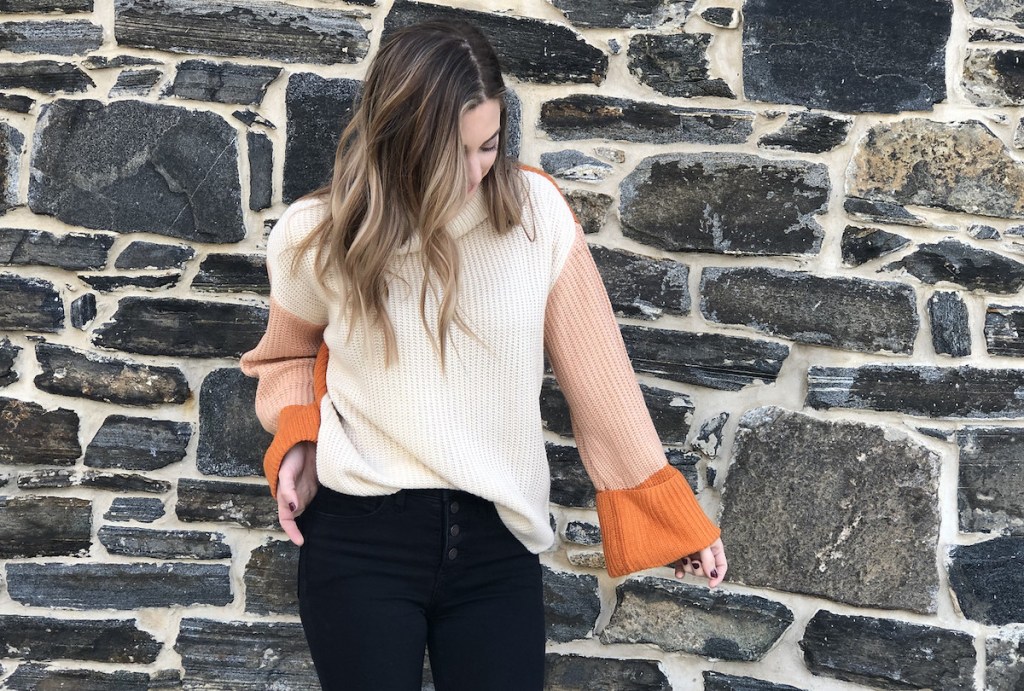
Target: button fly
<point>452,553</point>
<point>454,530</point>
<point>454,507</point>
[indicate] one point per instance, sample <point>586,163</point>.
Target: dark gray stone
<point>261,170</point>
<point>135,83</point>
<point>790,49</point>
<point>725,203</point>
<point>222,82</point>
<point>514,111</point>
<point>715,681</point>
<point>590,208</point>
<point>8,355</point>
<point>624,14</point>
<point>71,251</point>
<point>109,284</point>
<point>991,485</point>
<point>686,464</point>
<point>570,164</point>
<point>999,10</point>
<point>102,62</point>
<point>244,655</point>
<point>955,262</point>
<point>29,304</point>
<point>809,133</point>
<point>47,478</point>
<point>154,168</point>
<point>554,409</point>
<point>142,509</point>
<point>318,110</point>
<point>959,166</point>
<point>988,580</point>
<point>258,29</point>
<point>164,544</point>
<point>1004,326</point>
<point>12,143</point>
<point>851,313</point>
<point>16,103</point>
<point>137,443</point>
<point>529,49</point>
<point>153,255</point>
<point>120,586</point>
<point>575,672</point>
<point>83,310</point>
<point>34,526</point>
<point>881,212</point>
<point>951,333</point>
<point>34,677</point>
<point>861,245</point>
<point>987,33</point>
<point>675,65</point>
<point>581,533</point>
<point>677,617</point>
<point>994,77</point>
<point>982,232</point>
<point>182,328</point>
<point>712,360</point>
<point>919,390</point>
<point>250,118</point>
<point>72,372</point>
<point>590,116</point>
<point>270,577</point>
<point>642,287</point>
<point>31,435</point>
<point>571,605</point>
<point>725,17</point>
<point>247,504</point>
<point>102,640</point>
<point>1004,661</point>
<point>46,5</point>
<point>888,654</point>
<point>570,485</point>
<point>44,76</point>
<point>231,439</point>
<point>124,482</point>
<point>709,438</point>
<point>823,515</point>
<point>233,273</point>
<point>74,37</point>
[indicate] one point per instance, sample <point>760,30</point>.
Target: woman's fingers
<point>708,563</point>
<point>288,505</point>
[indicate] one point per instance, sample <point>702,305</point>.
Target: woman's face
<point>480,128</point>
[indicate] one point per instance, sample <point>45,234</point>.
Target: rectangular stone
<point>32,526</point>
<point>222,82</point>
<point>248,504</point>
<point>1004,330</point>
<point>164,544</point>
<point>991,486</point>
<point>71,251</point>
<point>35,677</point>
<point>101,640</point>
<point>270,579</point>
<point>46,5</point>
<point>29,304</point>
<point>54,38</point>
<point>32,435</point>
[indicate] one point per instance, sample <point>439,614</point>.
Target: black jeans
<point>381,578</point>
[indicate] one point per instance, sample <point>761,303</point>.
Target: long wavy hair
<point>399,173</point>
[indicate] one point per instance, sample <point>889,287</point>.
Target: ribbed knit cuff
<point>652,524</point>
<point>297,423</point>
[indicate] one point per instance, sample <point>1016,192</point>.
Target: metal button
<point>454,507</point>
<point>452,553</point>
<point>454,530</point>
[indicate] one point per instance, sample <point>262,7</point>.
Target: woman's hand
<point>296,485</point>
<point>709,562</point>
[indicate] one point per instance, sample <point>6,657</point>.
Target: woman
<point>409,464</point>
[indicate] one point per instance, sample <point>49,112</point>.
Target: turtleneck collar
<point>472,214</point>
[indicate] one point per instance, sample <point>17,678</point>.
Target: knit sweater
<point>474,425</point>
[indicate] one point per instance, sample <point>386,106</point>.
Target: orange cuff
<point>652,524</point>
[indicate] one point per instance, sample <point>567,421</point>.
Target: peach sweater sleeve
<point>648,514</point>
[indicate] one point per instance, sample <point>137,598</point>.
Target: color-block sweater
<point>474,425</point>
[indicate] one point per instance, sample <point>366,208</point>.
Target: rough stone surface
<point>108,284</point>
<point>47,478</point>
<point>994,77</point>
<point>36,526</point>
<point>861,245</point>
<point>318,110</point>
<point>83,311</point>
<point>1004,330</point>
<point>570,485</point>
<point>74,37</point>
<point>574,165</point>
<point>1004,661</point>
<point>33,677</point>
<point>675,65</point>
<point>850,313</point>
<point>16,103</point>
<point>575,672</point>
<point>809,133</point>
<point>790,49</point>
<point>709,438</point>
<point>530,49</point>
<point>29,304</point>
<point>642,287</point>
<point>581,533</point>
<point>986,33</point>
<point>824,515</point>
<point>919,390</point>
<point>683,618</point>
<point>270,577</point>
<point>231,439</point>
<point>103,62</point>
<point>32,435</point>
<point>12,142</point>
<point>571,605</point>
<point>121,586</point>
<point>880,212</point>
<point>951,334</point>
<point>222,82</point>
<point>124,482</point>
<point>164,544</point>
<point>142,509</point>
<point>959,166</point>
<point>72,251</point>
<point>233,273</point>
<point>247,504</point>
<point>982,232</point>
<point>73,372</point>
<point>591,208</point>
<point>137,443</point>
<point>102,640</point>
<point>8,355</point>
<point>991,485</point>
<point>182,328</point>
<point>725,17</point>
<point>589,116</point>
<point>44,76</point>
<point>46,5</point>
<point>725,203</point>
<point>999,10</point>
<point>135,83</point>
<point>952,261</point>
<point>716,681</point>
<point>625,14</point>
<point>155,168</point>
<point>261,170</point>
<point>244,655</point>
<point>712,360</point>
<point>888,654</point>
<point>988,580</point>
<point>271,30</point>
<point>153,255</point>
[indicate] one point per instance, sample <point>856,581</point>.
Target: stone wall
<point>809,217</point>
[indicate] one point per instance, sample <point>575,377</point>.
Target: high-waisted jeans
<point>381,578</point>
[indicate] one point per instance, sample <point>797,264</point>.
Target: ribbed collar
<point>472,214</point>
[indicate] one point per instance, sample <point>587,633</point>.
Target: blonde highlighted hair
<point>399,173</point>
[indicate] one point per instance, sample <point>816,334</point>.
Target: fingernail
<point>714,573</point>
<point>685,562</point>
<point>291,506</point>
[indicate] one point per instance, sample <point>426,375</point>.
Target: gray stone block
<point>881,212</point>
<point>1004,661</point>
<point>29,304</point>
<point>643,287</point>
<point>153,255</point>
<point>675,65</point>
<point>1004,325</point>
<point>998,10</point>
<point>988,580</point>
<point>231,439</point>
<point>624,14</point>
<point>32,435</point>
<point>135,83</point>
<point>991,480</point>
<point>71,251</point>
<point>142,509</point>
<point>804,511</point>
<point>994,77</point>
<point>677,617</point>
<point>951,333</point>
<point>47,478</point>
<point>861,245</point>
<point>8,356</point>
<point>709,438</point>
<point>233,273</point>
<point>164,544</point>
<point>725,17</point>
<point>573,165</point>
<point>109,284</point>
<point>570,485</point>
<point>261,170</point>
<point>101,640</point>
<point>16,103</point>
<point>247,504</point>
<point>37,526</point>
<point>124,482</point>
<point>74,37</point>
<point>34,676</point>
<point>990,34</point>
<point>575,672</point>
<point>952,261</point>
<point>809,133</point>
<point>271,577</point>
<point>222,82</point>
<point>588,534</point>
<point>83,311</point>
<point>571,605</point>
<point>12,142</point>
<point>715,681</point>
<point>591,208</point>
<point>46,5</point>
<point>44,76</point>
